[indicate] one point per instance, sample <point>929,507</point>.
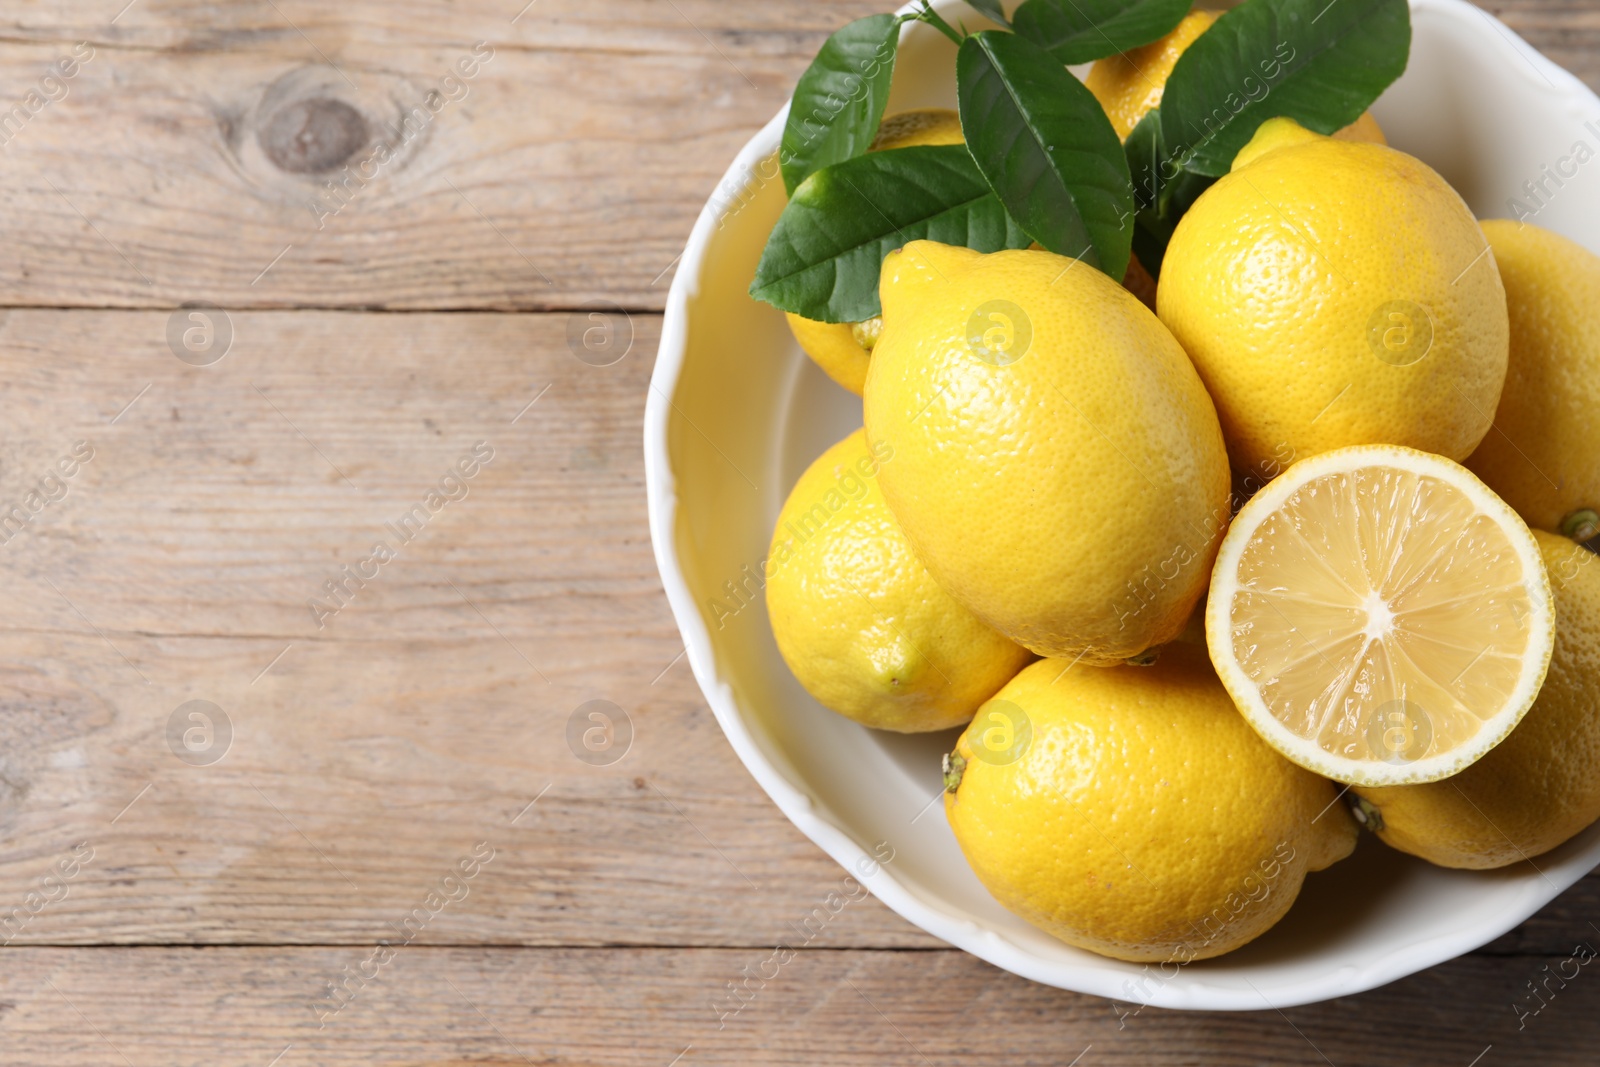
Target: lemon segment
<point>1537,788</point>
<point>1380,616</point>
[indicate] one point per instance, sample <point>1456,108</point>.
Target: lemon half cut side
<point>1380,616</point>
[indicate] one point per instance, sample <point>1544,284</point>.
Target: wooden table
<point>383,752</point>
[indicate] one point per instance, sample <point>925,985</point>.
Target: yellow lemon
<point>843,349</point>
<point>1335,294</point>
<point>1058,466</point>
<point>1380,616</point>
<point>920,126</point>
<point>1130,811</point>
<point>862,624</point>
<point>1539,786</point>
<point>1130,85</point>
<point>833,347</point>
<point>1543,455</point>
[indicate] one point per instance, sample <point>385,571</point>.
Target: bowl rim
<point>958,930</point>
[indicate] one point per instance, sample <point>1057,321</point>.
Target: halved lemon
<point>1380,616</point>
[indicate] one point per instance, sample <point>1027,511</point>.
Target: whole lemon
<point>862,624</point>
<point>1333,294</point>
<point>1058,466</point>
<point>1131,84</point>
<point>1543,456</point>
<point>843,349</point>
<point>1541,784</point>
<point>1131,811</point>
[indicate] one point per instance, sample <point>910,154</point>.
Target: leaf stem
<point>934,19</point>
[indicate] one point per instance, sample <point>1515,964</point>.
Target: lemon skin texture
<point>859,620</point>
<point>1539,786</point>
<point>834,348</point>
<point>1334,294</point>
<point>1145,820</point>
<point>832,345</point>
<point>1131,84</point>
<point>1069,485</point>
<point>1543,455</point>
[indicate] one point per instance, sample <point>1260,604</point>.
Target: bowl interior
<point>738,412</point>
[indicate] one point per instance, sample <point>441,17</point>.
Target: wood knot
<point>312,140</point>
<point>312,136</point>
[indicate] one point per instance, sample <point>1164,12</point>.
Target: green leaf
<point>1163,190</point>
<point>1319,63</point>
<point>823,258</point>
<point>1047,149</point>
<point>1076,31</point>
<point>991,10</point>
<point>838,103</point>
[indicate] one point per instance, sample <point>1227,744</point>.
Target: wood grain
<point>652,1008</point>
<point>420,719</point>
<point>570,167</point>
<point>571,170</point>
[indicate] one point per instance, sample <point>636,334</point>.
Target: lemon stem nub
<point>1147,658</point>
<point>1366,814</point>
<point>1582,526</point>
<point>954,767</point>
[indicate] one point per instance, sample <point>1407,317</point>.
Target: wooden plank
<point>370,755</point>
<point>570,168</point>
<point>1560,927</point>
<point>651,1008</point>
<point>1565,30</point>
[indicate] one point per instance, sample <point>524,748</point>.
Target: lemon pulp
<point>1380,616</point>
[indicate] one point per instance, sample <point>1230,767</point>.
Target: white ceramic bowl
<point>736,412</point>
